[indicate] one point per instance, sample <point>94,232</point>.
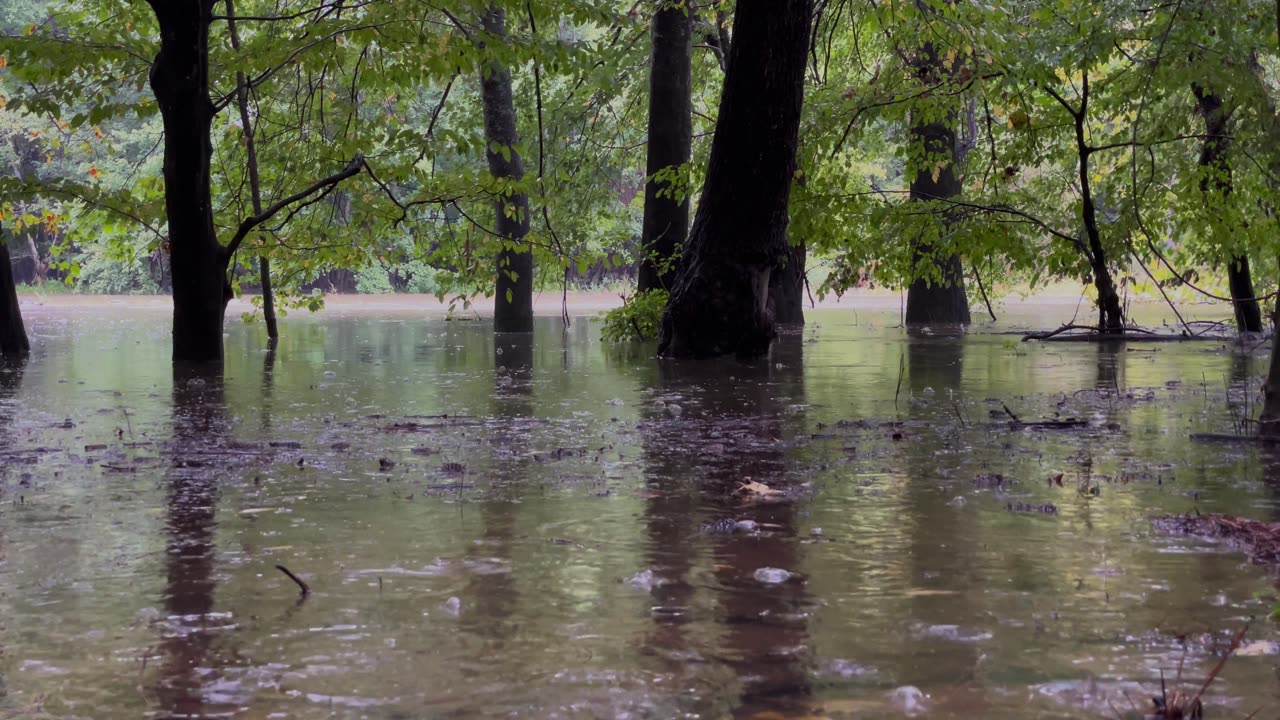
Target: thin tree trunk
<point>666,217</point>
<point>255,184</point>
<point>1269,425</point>
<point>1216,166</point>
<point>1110,312</point>
<point>13,335</point>
<point>936,294</point>
<point>513,304</point>
<point>180,81</point>
<point>720,301</point>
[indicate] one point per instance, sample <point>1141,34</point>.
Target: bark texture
<point>513,303</point>
<point>1216,165</point>
<point>13,335</point>
<point>720,301</point>
<point>666,219</point>
<point>180,81</point>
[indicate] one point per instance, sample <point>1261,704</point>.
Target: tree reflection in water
<point>191,630</point>
<point>731,429</point>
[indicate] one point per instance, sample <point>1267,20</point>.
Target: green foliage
<point>102,274</point>
<point>639,318</point>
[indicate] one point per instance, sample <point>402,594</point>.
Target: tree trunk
<point>180,81</point>
<point>786,288</point>
<point>666,218</point>
<point>1216,167</point>
<point>1110,312</point>
<point>255,183</point>
<point>720,300</point>
<point>1269,423</point>
<point>513,303</point>
<point>936,294</point>
<point>13,335</point>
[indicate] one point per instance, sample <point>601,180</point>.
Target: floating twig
<point>303,588</point>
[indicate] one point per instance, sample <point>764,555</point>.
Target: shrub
<point>638,319</point>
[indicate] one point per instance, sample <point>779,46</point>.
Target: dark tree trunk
<point>1216,166</point>
<point>1110,312</point>
<point>513,304</point>
<point>936,294</point>
<point>720,301</point>
<point>666,218</point>
<point>13,335</point>
<point>1269,425</point>
<point>180,81</point>
<point>786,288</point>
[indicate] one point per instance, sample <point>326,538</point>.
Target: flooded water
<point>493,527</point>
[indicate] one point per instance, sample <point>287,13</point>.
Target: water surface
<point>499,527</point>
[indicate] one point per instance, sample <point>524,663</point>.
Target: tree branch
<point>327,184</point>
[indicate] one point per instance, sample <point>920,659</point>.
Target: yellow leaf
<point>759,489</point>
<point>4,61</point>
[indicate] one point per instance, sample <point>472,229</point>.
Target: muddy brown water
<point>498,527</point>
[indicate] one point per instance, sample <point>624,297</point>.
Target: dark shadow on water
<point>733,428</point>
<point>190,633</point>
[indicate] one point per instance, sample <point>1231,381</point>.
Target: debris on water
<point>453,468</point>
<point>453,606</point>
<point>816,532</point>
<point>1259,540</point>
<point>746,526</point>
<point>771,575</point>
<point>423,451</point>
<point>752,488</point>
<point>674,410</point>
<point>1045,509</point>
<point>957,501</point>
<point>616,402</point>
<point>994,481</point>
<point>909,699</point>
<point>954,633</point>
<point>849,670</point>
<point>385,464</point>
<point>645,580</point>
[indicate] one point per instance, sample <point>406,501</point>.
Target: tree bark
<point>13,335</point>
<point>1216,166</point>
<point>666,218</point>
<point>180,81</point>
<point>513,303</point>
<point>720,300</point>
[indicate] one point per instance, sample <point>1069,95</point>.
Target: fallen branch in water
<point>1230,438</point>
<point>303,587</point>
<point>1092,334</point>
<point>1259,540</point>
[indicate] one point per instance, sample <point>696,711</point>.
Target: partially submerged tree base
<point>13,334</point>
<point>722,309</point>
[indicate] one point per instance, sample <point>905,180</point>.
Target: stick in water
<point>303,587</point>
